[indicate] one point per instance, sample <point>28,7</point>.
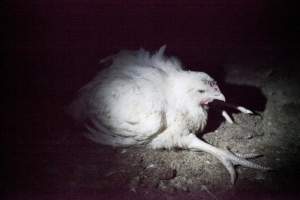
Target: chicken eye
<point>201,91</point>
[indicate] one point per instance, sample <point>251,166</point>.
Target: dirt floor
<point>66,165</point>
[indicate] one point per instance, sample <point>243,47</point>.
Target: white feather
<point>139,97</point>
<point>144,99</point>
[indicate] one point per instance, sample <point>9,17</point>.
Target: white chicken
<point>149,100</point>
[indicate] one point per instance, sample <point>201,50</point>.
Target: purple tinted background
<point>52,48</point>
<point>55,45</point>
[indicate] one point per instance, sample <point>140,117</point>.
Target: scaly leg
<point>228,159</point>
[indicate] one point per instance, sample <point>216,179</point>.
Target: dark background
<point>51,48</point>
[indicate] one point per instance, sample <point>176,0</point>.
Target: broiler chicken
<point>149,100</point>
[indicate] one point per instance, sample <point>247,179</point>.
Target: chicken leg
<point>227,158</point>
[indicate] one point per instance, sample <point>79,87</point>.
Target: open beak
<point>220,97</point>
<point>217,96</point>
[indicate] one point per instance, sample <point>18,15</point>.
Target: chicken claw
<point>227,117</point>
<point>227,158</point>
<point>244,110</point>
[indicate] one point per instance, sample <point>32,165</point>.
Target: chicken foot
<point>227,158</point>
